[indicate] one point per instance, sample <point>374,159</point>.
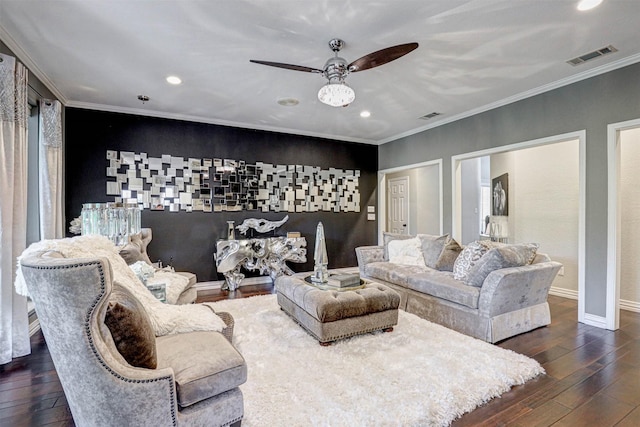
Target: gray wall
<point>590,104</point>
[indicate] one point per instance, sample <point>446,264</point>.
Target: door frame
<point>614,227</point>
<point>382,190</point>
<point>456,214</point>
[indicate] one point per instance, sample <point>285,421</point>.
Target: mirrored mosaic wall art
<point>224,185</point>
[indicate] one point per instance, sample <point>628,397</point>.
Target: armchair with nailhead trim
<point>196,378</point>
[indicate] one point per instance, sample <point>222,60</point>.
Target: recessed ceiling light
<point>288,102</point>
<point>365,114</point>
<point>174,80</point>
<point>584,5</point>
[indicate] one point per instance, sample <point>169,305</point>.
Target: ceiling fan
<point>336,92</point>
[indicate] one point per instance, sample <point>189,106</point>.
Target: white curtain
<point>14,322</point>
<point>50,170</point>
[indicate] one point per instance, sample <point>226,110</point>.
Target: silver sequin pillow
<point>497,258</point>
<point>468,257</point>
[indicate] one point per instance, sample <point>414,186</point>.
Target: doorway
<point>425,207</point>
<point>546,204</point>
<point>622,273</point>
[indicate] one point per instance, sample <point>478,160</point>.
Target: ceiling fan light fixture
<point>336,94</point>
<point>585,5</point>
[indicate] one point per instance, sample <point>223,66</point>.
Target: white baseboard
<point>34,327</point>
<point>593,320</point>
<point>630,305</point>
<point>217,284</point>
<point>203,286</point>
<point>564,293</point>
<point>571,294</point>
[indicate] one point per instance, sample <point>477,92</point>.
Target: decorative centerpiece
<point>320,273</point>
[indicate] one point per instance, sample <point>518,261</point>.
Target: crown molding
<point>33,67</point>
<point>208,120</point>
<point>611,66</point>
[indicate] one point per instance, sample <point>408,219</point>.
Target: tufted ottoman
<point>329,315</point>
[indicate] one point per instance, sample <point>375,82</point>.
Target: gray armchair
<point>195,382</point>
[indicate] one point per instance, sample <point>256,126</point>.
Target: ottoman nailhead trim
<point>365,331</point>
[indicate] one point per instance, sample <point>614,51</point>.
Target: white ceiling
<point>473,55</point>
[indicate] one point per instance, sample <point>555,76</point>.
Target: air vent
<point>592,55</point>
<point>430,116</point>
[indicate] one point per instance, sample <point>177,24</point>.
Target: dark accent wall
<point>189,237</point>
<point>590,104</point>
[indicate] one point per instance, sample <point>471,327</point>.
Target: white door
<point>399,205</point>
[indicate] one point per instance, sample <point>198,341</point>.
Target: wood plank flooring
<point>592,379</point>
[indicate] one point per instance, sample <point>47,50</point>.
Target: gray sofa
<point>507,302</point>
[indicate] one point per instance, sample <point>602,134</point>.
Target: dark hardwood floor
<point>592,379</point>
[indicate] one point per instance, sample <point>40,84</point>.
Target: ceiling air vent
<point>430,116</point>
<point>592,55</point>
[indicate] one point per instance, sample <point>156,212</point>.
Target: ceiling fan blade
<point>381,57</point>
<point>288,66</point>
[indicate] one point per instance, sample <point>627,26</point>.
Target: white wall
<point>544,202</point>
<point>629,196</point>
<point>500,164</point>
<point>424,198</point>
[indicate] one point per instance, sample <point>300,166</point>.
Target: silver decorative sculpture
<point>269,256</point>
<point>260,225</point>
<point>320,273</point>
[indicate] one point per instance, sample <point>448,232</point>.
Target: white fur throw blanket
<point>174,283</point>
<point>165,318</point>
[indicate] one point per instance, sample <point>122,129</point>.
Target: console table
<point>268,255</point>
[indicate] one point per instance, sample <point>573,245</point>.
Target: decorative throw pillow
<point>468,257</point>
<point>131,329</point>
<point>448,256</point>
<point>432,247</point>
<point>406,251</point>
<point>388,237</point>
<point>501,257</point>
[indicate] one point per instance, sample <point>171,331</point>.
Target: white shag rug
<point>421,374</point>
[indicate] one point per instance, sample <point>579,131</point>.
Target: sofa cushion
<point>393,273</point>
<point>204,363</point>
<point>388,237</point>
<point>448,256</point>
<point>131,329</point>
<point>432,247</point>
<point>467,259</point>
<point>442,285</point>
<point>406,252</point>
<point>505,256</point>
